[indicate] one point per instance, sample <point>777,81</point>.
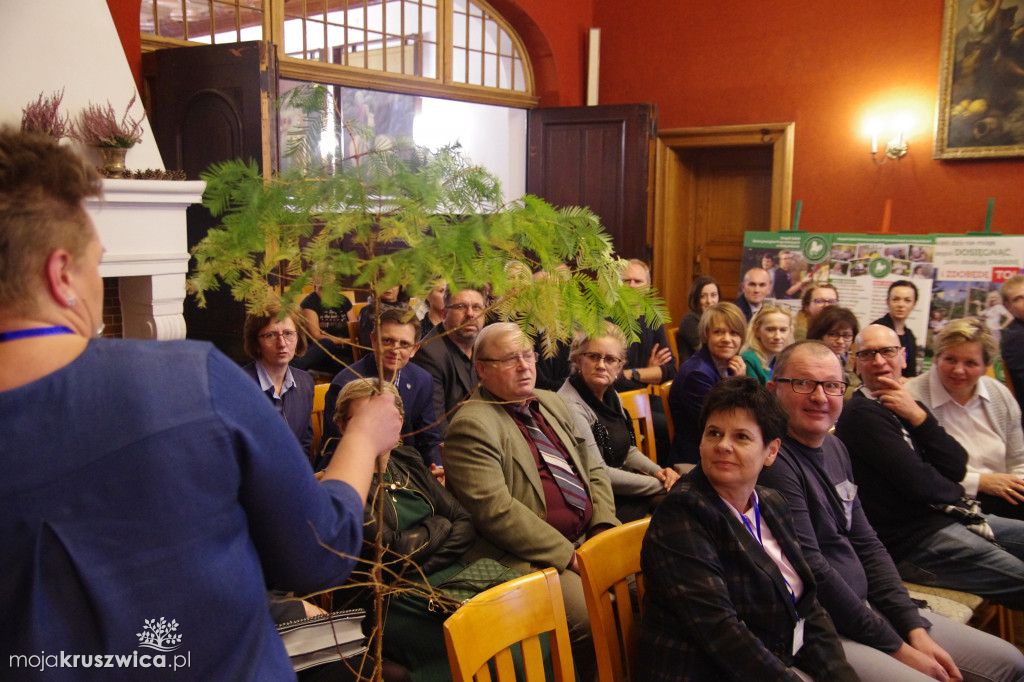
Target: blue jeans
<point>957,559</point>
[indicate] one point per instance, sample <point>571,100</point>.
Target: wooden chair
<point>319,396</point>
<point>353,313</point>
<point>353,340</point>
<point>606,562</point>
<point>638,404</point>
<point>673,343</point>
<point>519,611</point>
<point>661,390</point>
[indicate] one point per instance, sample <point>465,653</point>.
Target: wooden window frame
<point>441,86</point>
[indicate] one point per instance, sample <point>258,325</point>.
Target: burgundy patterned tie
<point>568,482</point>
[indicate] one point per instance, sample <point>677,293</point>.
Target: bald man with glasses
<point>908,472</point>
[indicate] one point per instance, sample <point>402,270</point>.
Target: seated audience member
<point>396,296</point>
<point>1012,341</point>
<point>770,330</point>
<point>420,521</point>
<point>171,490</point>
<point>515,460</point>
<point>900,301</point>
<point>396,346</point>
<point>649,360</point>
<point>754,289</point>
<point>884,634</point>
<point>908,473</point>
<point>815,299</point>
<point>446,353</point>
<point>327,349</point>
<point>722,328</point>
<point>703,294</point>
<point>638,483</point>
<point>728,593</point>
<point>979,412</point>
<point>272,343</point>
<point>837,327</point>
<point>434,304</point>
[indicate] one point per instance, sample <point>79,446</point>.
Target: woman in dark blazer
<point>722,328</point>
<point>729,595</point>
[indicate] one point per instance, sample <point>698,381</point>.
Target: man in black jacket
<point>908,470</point>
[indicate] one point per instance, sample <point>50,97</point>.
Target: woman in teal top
<point>769,331</point>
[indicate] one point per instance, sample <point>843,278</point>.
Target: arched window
<point>454,49</point>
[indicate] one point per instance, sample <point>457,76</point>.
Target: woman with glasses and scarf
<point>638,483</point>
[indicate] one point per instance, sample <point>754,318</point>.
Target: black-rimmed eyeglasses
<point>868,354</point>
<point>806,386</point>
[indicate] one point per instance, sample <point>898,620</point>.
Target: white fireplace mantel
<point>142,226</point>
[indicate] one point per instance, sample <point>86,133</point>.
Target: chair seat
<point>956,611</point>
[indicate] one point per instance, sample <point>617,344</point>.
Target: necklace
<point>37,331</point>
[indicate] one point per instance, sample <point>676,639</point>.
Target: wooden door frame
<point>675,201</point>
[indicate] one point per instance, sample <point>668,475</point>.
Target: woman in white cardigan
<point>638,483</point>
<point>979,412</point>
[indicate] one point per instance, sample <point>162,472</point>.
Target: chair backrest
<point>353,314</point>
<point>319,396</point>
<point>518,611</point>
<point>673,342</point>
<point>353,338</point>
<point>661,390</point>
<point>606,562</point>
<point>638,404</point>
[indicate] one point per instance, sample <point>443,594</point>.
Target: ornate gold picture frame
<point>981,80</point>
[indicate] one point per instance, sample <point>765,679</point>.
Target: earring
<point>71,302</point>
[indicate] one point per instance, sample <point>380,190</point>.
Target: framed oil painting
<point>981,81</point>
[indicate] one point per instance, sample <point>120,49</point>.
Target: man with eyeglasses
<point>885,636</point>
<point>446,353</point>
<point>398,343</point>
<point>909,472</point>
<point>515,461</point>
<point>900,300</point>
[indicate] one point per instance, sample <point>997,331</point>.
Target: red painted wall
<point>555,33</point>
<point>126,18</point>
<point>825,66</point>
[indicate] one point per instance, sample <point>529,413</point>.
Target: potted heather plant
<point>99,127</point>
<point>43,116</point>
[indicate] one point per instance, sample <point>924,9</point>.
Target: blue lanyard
<point>37,331</point>
<point>757,521</point>
<point>757,534</point>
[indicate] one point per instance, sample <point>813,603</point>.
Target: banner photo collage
<point>955,275</point>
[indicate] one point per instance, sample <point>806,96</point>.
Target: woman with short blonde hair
<point>980,412</point>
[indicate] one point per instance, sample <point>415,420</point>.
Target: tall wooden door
<point>732,194</point>
<point>209,104</point>
<point>598,157</point>
<point>713,185</point>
